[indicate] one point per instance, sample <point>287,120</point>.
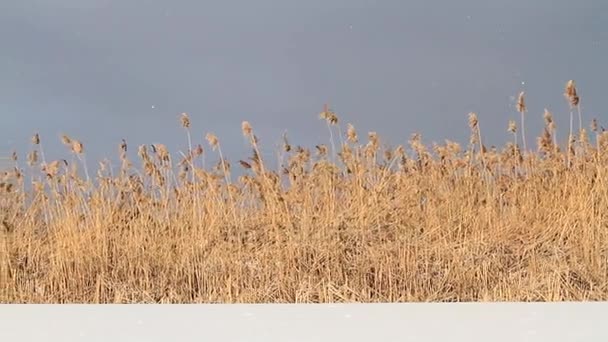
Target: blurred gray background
<point>103,70</point>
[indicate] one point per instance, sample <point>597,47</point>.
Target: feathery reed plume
<point>286,145</point>
<point>185,120</point>
<point>162,152</point>
<point>473,121</point>
<point>321,150</point>
<point>400,152</point>
<point>253,140</point>
<point>550,124</point>
<point>328,115</point>
<point>584,140</point>
<point>421,152</point>
<point>212,140</point>
<point>388,155</point>
<point>521,103</point>
<point>123,146</point>
<point>545,142</point>
<point>142,152</point>
<point>77,147</point>
<point>571,149</point>
<point>476,136</point>
<point>373,140</point>
<point>473,125</point>
<point>571,94</point>
<point>36,141</point>
<point>51,169</point>
<point>512,127</point>
<point>246,128</point>
<point>573,99</point>
<point>198,151</point>
<point>594,125</point>
<point>331,119</point>
<point>222,164</point>
<point>521,108</point>
<point>548,117</point>
<point>351,133</point>
<point>513,130</point>
<point>66,140</point>
<point>32,158</point>
<point>122,151</point>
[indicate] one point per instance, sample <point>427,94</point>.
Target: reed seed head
<point>594,125</point>
<point>123,146</point>
<point>77,147</point>
<point>473,122</point>
<point>521,103</point>
<point>400,151</point>
<point>545,142</point>
<point>286,145</point>
<point>185,120</point>
<point>328,115</point>
<point>512,126</point>
<point>351,133</point>
<point>322,150</point>
<point>66,140</point>
<point>36,139</point>
<point>212,140</point>
<point>570,89</point>
<point>583,137</point>
<point>32,158</point>
<point>246,128</point>
<point>162,152</point>
<point>548,117</point>
<point>51,169</point>
<point>388,154</point>
<point>198,150</point>
<point>142,152</point>
<point>373,140</point>
<point>571,94</point>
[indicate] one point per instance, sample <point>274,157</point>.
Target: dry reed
<point>379,224</point>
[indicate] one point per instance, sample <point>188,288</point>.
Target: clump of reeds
<point>384,224</point>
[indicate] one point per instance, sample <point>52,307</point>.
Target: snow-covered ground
<point>350,322</point>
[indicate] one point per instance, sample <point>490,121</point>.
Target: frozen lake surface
<point>349,322</point>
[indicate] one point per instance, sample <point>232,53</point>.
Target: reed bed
<point>351,221</point>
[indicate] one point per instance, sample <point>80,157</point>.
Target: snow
<point>506,322</point>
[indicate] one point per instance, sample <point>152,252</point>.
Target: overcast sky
<point>103,70</point>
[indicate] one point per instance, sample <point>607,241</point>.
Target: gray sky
<point>101,70</point>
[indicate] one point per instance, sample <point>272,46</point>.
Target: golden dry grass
<point>365,223</point>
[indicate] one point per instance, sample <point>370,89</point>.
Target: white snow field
<point>300,322</point>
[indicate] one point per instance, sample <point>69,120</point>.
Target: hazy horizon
<point>104,70</point>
